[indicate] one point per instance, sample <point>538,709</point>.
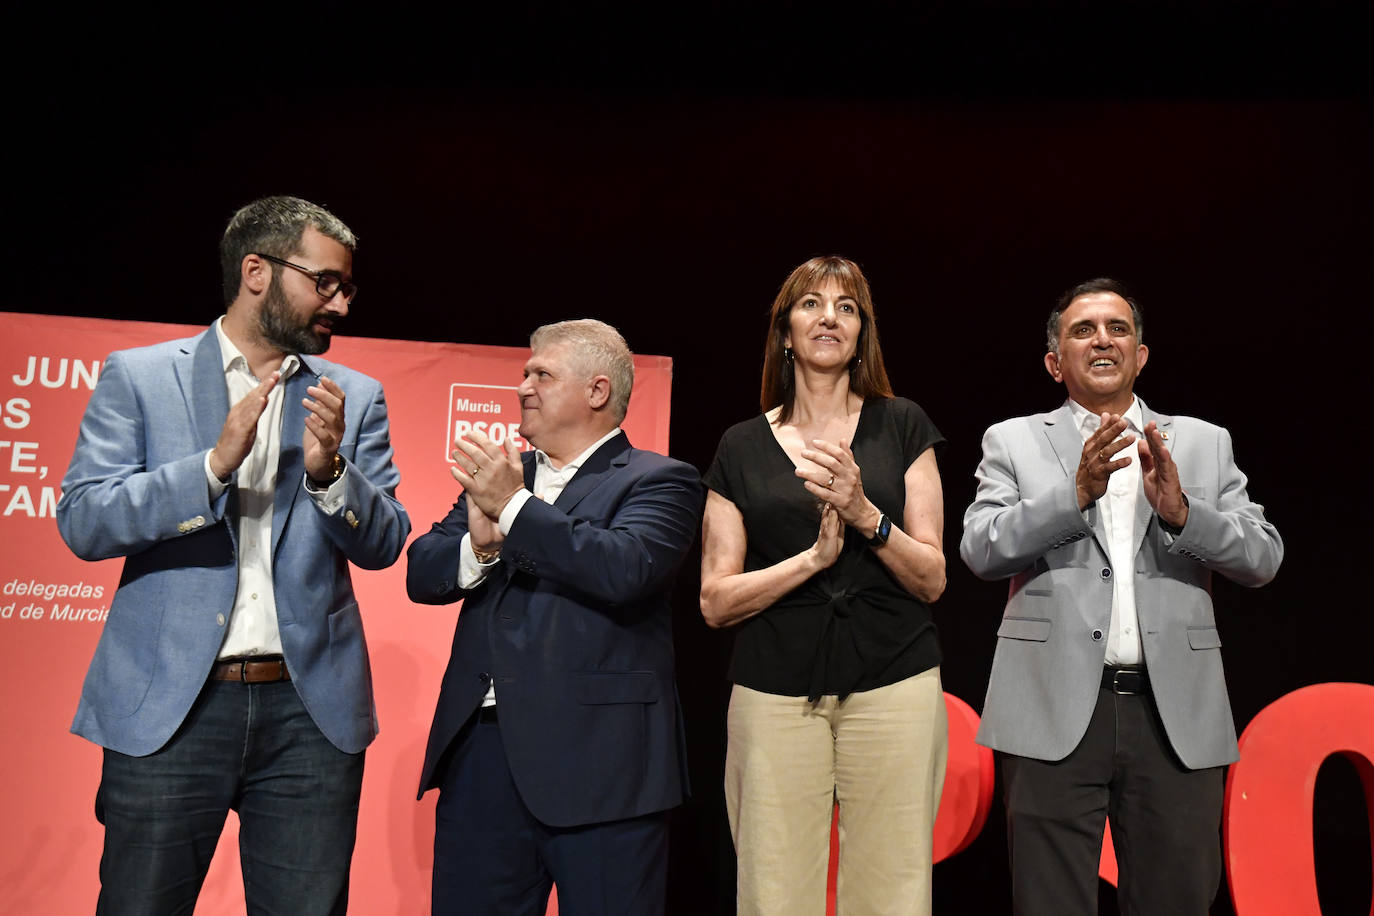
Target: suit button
<point>484,677</point>
<point>219,619</point>
<point>1106,572</point>
<point>1097,635</point>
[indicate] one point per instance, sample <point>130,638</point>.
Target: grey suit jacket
<point>1025,525</point>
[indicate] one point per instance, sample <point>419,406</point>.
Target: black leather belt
<point>1126,681</point>
<point>256,669</point>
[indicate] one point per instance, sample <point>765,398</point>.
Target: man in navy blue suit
<point>557,745</point>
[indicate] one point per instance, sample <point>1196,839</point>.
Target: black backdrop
<point>665,170</point>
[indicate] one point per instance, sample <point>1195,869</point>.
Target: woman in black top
<point>822,542</point>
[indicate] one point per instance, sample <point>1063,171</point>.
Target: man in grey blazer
<point>1107,695</point>
<point>239,475</point>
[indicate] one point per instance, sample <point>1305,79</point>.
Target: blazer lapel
<point>291,460</point>
<point>531,465</point>
<point>1143,510</point>
<point>1064,438</point>
<point>508,571</point>
<point>611,455</point>
<point>204,392</point>
<point>1067,443</point>
<point>200,373</point>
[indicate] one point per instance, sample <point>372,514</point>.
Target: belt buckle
<point>1132,678</point>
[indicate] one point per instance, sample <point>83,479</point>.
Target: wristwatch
<point>335,472</point>
<point>1173,530</point>
<point>881,533</point>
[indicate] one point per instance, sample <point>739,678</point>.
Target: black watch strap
<point>335,472</point>
<point>880,535</point>
<point>1174,531</point>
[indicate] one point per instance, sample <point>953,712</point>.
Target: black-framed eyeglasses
<point>328,283</point>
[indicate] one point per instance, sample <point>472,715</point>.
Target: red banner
<point>52,605</point>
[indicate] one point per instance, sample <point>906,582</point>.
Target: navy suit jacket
<point>136,488</point>
<point>574,625</point>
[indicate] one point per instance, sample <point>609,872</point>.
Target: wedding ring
<point>475,469</point>
<point>831,482</point>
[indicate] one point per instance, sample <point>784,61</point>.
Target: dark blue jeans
<point>252,748</point>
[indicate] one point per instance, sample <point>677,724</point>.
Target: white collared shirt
<point>1118,507</point>
<point>549,483</point>
<point>548,486</point>
<point>253,620</point>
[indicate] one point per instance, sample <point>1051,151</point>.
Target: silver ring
<point>831,482</point>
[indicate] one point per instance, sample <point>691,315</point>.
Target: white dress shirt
<point>253,621</point>
<point>1118,507</point>
<point>549,483</point>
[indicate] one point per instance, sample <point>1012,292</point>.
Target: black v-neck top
<point>850,627</point>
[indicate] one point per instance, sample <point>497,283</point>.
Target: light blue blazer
<point>1025,525</point>
<point>136,488</point>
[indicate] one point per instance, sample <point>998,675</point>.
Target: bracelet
<point>485,556</point>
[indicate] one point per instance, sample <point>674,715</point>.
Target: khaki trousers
<point>880,754</point>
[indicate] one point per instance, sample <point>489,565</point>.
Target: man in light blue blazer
<point>1107,695</point>
<point>239,475</point>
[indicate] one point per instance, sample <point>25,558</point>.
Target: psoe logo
<point>490,409</point>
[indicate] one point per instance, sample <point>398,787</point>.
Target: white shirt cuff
<point>217,486</point>
<point>508,514</point>
<point>471,571</point>
<point>330,499</point>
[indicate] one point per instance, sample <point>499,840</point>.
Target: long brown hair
<point>867,375</point>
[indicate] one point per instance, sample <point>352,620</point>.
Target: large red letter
<point>969,776</point>
<point>1268,815</point>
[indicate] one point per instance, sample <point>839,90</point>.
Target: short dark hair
<point>274,225</point>
<point>867,374</point>
<point>1087,288</point>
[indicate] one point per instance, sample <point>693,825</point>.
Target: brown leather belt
<point>260,669</point>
